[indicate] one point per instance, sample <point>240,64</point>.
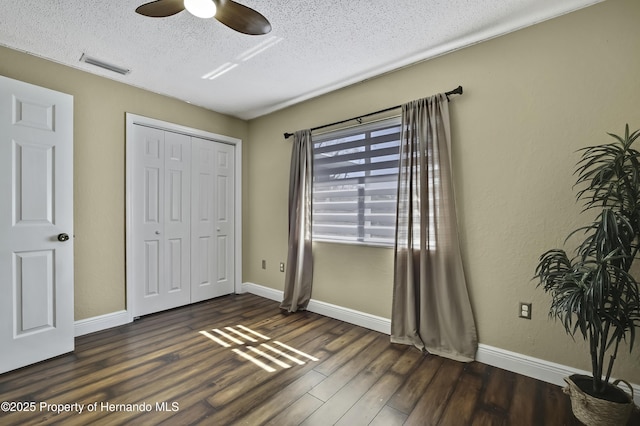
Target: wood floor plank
<point>416,384</point>
<point>553,400</point>
<point>462,403</point>
<point>359,377</point>
<point>192,391</point>
<point>341,328</point>
<point>408,361</point>
<point>124,345</point>
<point>192,415</point>
<point>499,391</point>
<point>345,340</point>
<point>522,411</point>
<point>486,417</point>
<point>347,352</point>
<point>349,370</point>
<point>433,402</point>
<point>389,417</point>
<point>297,412</point>
<point>174,382</point>
<point>296,332</point>
<point>88,373</point>
<point>237,407</point>
<point>347,396</point>
<point>234,384</point>
<point>273,323</point>
<point>177,388</point>
<point>372,402</point>
<point>280,402</point>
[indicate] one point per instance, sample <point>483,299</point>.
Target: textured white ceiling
<point>321,45</point>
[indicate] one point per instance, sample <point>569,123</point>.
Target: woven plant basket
<point>594,411</point>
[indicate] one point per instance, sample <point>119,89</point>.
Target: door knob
<point>63,237</point>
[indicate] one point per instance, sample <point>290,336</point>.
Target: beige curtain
<point>299,274</point>
<point>431,307</point>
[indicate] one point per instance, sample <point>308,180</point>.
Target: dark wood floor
<point>177,375</point>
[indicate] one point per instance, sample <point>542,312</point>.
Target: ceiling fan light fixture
<point>201,8</point>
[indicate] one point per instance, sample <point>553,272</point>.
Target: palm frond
<point>594,293</point>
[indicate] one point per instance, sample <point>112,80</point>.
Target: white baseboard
<point>372,322</point>
<point>527,366</point>
<point>101,322</point>
<point>536,368</point>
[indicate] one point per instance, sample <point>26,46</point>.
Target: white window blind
<point>355,184</point>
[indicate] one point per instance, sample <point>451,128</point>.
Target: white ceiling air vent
<point>105,65</point>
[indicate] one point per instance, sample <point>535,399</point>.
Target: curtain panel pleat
<point>299,272</point>
<point>431,308</point>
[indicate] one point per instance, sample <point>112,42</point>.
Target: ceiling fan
<point>234,15</point>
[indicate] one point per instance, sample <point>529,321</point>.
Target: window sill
<point>354,243</point>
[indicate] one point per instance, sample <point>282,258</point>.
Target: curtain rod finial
<point>288,135</point>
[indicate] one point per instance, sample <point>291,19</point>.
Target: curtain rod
<point>456,91</point>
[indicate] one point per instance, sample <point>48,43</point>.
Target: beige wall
<point>100,105</point>
<point>531,99</point>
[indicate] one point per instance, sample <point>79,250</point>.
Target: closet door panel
<point>225,217</point>
<point>161,220</point>
<point>177,226</point>
<point>212,219</point>
<point>148,218</point>
<point>203,220</point>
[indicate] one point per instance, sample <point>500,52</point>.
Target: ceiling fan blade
<point>161,8</point>
<point>241,18</point>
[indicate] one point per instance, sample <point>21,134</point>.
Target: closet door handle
<point>157,232</point>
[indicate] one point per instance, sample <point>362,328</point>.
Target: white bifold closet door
<point>182,219</point>
<point>212,219</point>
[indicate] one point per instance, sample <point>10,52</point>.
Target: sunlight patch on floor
<point>296,351</point>
<point>267,357</point>
<point>262,336</point>
<point>254,360</point>
<point>215,339</point>
<point>228,336</point>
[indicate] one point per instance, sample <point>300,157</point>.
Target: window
<point>355,183</point>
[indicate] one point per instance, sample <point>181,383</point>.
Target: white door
<point>161,220</point>
<point>36,224</point>
<point>212,220</point>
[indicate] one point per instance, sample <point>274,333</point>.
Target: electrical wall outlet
<point>281,266</point>
<point>525,310</point>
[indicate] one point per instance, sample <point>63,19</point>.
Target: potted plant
<point>594,293</point>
